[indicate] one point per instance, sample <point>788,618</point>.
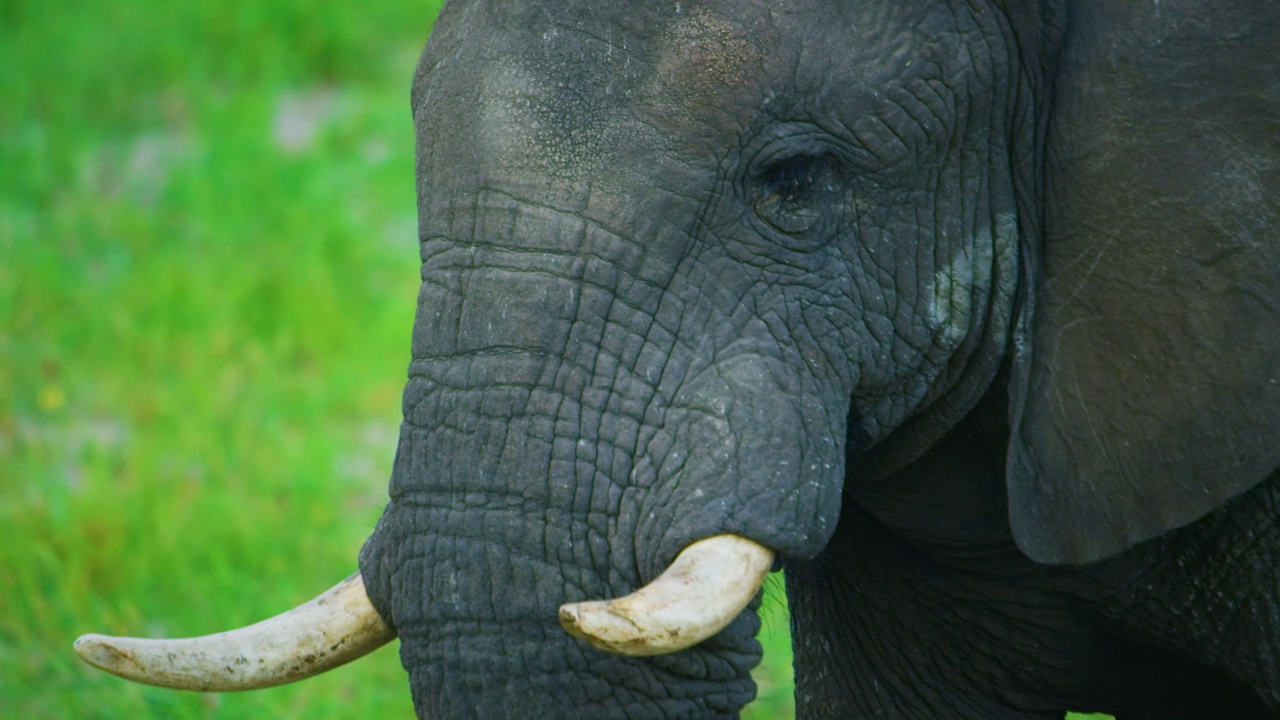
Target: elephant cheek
<point>757,449</point>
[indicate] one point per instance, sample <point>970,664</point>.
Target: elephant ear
<point>1146,385</point>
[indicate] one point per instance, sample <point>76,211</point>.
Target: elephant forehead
<point>580,95</point>
<point>704,53</point>
<point>537,120</point>
<point>708,68</point>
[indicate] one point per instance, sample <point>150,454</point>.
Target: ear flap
<point>1147,381</point>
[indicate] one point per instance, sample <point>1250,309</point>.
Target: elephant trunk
<point>560,448</point>
<point>472,581</point>
<point>494,523</point>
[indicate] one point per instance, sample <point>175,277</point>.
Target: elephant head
<point>692,272</point>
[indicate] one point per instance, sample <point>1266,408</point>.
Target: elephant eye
<point>790,194</point>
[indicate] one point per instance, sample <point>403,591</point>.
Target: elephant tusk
<point>704,589</point>
<point>338,626</point>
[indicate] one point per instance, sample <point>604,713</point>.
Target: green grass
<point>207,278</point>
<point>204,324</point>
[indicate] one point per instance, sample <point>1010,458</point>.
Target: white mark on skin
<point>950,309</point>
<point>951,304</point>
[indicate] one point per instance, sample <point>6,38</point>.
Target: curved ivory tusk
<point>336,627</point>
<point>704,589</point>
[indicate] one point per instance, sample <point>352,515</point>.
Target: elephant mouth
<point>707,585</point>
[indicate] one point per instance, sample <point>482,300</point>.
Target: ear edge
<point>1149,393</point>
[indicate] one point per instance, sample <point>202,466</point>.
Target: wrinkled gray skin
<point>971,310</point>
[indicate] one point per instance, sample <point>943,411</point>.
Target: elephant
<point>965,314</point>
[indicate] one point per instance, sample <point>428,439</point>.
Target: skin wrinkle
<point>588,221</point>
<point>663,380</point>
<point>576,322</point>
<point>1208,609</point>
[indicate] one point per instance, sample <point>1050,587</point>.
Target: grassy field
<point>207,278</point>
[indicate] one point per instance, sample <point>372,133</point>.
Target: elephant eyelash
<point>791,177</point>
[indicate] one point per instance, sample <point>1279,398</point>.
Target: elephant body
<point>907,616</point>
<point>968,310</point>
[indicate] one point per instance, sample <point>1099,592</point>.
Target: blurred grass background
<point>208,267</point>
